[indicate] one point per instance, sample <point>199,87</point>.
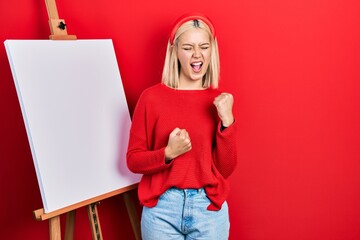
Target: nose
<point>197,52</point>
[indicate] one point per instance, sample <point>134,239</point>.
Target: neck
<point>190,84</point>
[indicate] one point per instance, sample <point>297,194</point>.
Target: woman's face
<point>193,52</point>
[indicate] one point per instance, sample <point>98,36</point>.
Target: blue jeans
<point>182,214</point>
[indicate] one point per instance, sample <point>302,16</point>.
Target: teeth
<point>196,66</point>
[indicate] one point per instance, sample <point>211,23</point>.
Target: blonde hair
<point>171,71</point>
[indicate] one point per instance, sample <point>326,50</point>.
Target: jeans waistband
<point>187,191</point>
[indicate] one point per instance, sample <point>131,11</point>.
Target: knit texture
<point>208,164</point>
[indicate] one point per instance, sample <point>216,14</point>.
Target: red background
<point>294,69</point>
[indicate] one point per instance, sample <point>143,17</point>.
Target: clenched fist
<point>178,144</point>
<point>224,104</point>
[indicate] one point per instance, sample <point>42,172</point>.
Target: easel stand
<point>91,205</point>
<point>59,32</point>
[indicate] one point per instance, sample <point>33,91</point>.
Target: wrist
<point>226,122</point>
<point>168,156</point>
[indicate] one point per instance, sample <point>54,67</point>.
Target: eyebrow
<point>192,44</point>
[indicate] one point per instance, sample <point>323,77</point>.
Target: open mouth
<point>196,66</point>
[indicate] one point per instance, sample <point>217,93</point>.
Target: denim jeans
<point>182,214</point>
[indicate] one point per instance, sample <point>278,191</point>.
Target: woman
<point>183,140</point>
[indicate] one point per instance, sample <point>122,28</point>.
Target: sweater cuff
<point>223,128</point>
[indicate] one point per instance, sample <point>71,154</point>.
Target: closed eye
<point>204,46</point>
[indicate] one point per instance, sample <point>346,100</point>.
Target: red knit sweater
<point>211,160</point>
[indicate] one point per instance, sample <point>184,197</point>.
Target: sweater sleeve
<point>139,158</point>
<point>225,152</point>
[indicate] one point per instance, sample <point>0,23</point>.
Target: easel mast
<point>59,32</point>
<point>57,26</point>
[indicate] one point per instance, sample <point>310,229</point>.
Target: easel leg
<point>69,228</point>
<point>55,231</point>
<point>94,222</point>
<point>132,215</point>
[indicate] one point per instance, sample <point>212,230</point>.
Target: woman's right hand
<point>178,144</point>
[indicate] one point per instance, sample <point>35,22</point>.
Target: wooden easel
<point>91,204</point>
<point>57,26</point>
<point>59,32</point>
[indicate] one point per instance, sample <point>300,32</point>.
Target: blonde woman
<point>183,140</point>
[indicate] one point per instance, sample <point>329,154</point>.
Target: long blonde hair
<point>171,71</point>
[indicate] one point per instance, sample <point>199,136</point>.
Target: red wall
<point>294,69</point>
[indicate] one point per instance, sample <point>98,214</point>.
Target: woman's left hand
<point>224,104</point>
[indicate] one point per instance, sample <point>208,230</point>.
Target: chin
<point>198,78</point>
<point>195,79</point>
